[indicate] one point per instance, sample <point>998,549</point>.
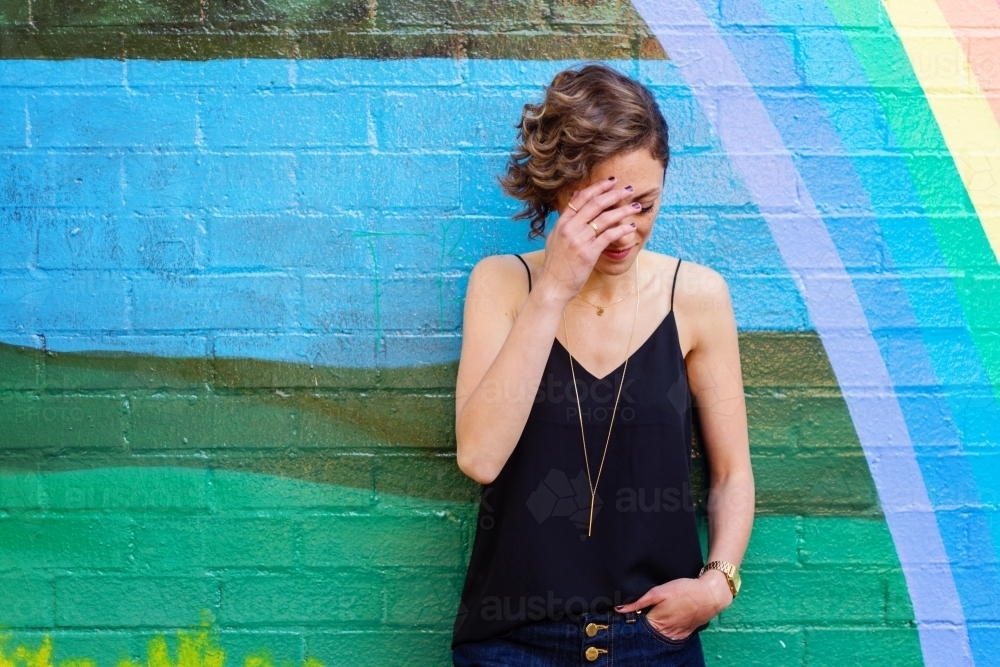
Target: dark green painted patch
<point>202,29</point>
<point>383,430</point>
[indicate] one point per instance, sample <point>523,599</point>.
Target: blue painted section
<point>111,118</point>
<point>261,120</point>
<point>95,301</point>
<point>321,211</point>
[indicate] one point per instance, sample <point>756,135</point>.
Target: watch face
<point>736,580</point>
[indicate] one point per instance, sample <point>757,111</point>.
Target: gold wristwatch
<point>728,569</point>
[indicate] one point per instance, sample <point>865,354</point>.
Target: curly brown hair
<point>587,116</point>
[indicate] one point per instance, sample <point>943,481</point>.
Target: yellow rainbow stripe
<point>957,100</point>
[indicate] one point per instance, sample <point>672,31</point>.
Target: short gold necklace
<point>600,309</point>
<point>579,412</point>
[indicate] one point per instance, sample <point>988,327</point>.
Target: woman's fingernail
<point>636,205</point>
<point>620,607</point>
<point>611,178</point>
<point>632,224</point>
<point>628,188</point>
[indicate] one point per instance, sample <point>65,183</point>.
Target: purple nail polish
<point>632,224</point>
<point>628,188</point>
<point>636,205</point>
<point>611,178</point>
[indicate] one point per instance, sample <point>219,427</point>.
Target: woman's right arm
<point>503,357</point>
<point>504,351</point>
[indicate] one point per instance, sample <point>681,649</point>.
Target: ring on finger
<point>570,204</point>
<point>597,231</point>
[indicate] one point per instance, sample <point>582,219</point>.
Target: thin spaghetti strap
<point>673,286</point>
<point>526,269</point>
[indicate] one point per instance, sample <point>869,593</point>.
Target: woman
<point>573,405</point>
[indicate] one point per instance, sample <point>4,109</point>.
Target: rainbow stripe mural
<point>235,244</point>
<point>757,130</point>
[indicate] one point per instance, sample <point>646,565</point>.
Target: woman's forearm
<point>493,417</point>
<point>730,520</point>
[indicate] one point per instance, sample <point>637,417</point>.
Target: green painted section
<point>301,571</point>
<point>951,214</point>
<point>201,29</point>
<point>317,514</point>
<point>381,430</point>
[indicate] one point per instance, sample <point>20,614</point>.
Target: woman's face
<point>645,174</point>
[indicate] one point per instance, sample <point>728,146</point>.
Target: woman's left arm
<point>716,381</point>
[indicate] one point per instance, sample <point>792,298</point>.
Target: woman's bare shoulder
<point>534,258</point>
<point>695,282</point>
<point>501,270</point>
<point>701,299</point>
<point>498,283</point>
<point>701,280</point>
<point>698,275</point>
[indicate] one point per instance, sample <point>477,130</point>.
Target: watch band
<point>728,569</point>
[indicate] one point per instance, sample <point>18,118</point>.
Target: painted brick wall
<point>235,243</point>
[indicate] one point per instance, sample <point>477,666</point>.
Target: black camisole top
<point>531,558</point>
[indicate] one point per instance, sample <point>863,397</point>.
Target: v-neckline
<point>635,352</point>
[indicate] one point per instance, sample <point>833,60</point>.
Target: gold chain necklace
<point>600,309</point>
<point>579,411</point>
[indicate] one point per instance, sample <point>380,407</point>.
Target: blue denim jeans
<point>628,640</point>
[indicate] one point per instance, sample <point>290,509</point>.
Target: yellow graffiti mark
<point>197,648</point>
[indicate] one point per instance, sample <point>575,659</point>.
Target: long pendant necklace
<point>579,412</point>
